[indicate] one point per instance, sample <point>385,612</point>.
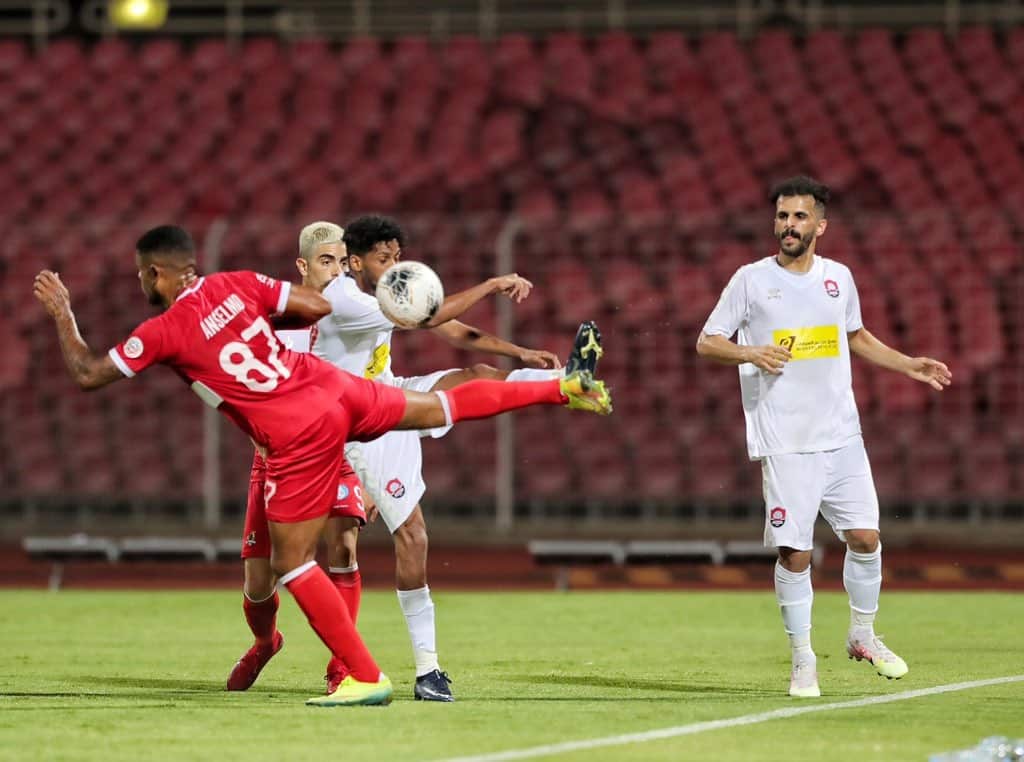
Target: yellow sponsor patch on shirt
<point>378,361</point>
<point>809,343</point>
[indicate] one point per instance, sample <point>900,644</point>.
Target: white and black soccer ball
<point>410,294</point>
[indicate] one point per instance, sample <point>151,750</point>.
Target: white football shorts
<point>391,466</point>
<point>836,483</point>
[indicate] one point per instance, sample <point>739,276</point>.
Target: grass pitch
<point>139,675</point>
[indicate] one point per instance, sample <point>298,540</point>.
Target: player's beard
<point>802,246</point>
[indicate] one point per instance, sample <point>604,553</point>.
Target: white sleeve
<point>854,321</point>
<point>354,310</point>
<point>282,300</point>
<point>731,311</point>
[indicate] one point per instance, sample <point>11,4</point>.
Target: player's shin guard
<point>418,609</point>
<point>484,398</point>
<point>329,618</point>
<point>795,595</point>
<point>262,617</point>
<point>862,578</point>
<point>350,586</point>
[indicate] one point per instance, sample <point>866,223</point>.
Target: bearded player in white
<point>797,318</point>
<point>356,337</point>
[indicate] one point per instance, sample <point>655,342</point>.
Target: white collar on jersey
<point>191,289</point>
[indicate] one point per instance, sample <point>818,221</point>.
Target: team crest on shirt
<point>831,288</point>
<point>133,348</point>
<point>777,516</point>
<point>395,488</point>
<point>774,293</point>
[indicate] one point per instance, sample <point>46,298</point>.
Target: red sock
<point>350,585</point>
<point>485,397</point>
<point>262,617</point>
<point>329,618</point>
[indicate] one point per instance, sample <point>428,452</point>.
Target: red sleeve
<point>270,293</point>
<point>149,344</point>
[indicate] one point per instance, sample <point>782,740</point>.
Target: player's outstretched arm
<point>513,286</point>
<point>89,370</point>
<point>769,358</point>
<point>923,369</point>
<point>468,337</point>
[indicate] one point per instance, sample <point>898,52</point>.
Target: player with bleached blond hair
<point>796,317</point>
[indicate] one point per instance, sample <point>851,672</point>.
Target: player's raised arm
<point>464,336</point>
<point>512,285</point>
<point>923,369</point>
<point>89,370</point>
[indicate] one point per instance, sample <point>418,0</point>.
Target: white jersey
<point>809,407</point>
<point>356,336</point>
<point>295,340</point>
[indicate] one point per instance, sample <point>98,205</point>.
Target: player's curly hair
<point>802,185</point>
<point>363,233</point>
<point>166,239</point>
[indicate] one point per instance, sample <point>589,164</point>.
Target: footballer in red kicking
<point>215,333</point>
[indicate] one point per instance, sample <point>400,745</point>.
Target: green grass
<point>139,675</point>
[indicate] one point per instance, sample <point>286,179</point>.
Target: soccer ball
<point>410,294</point>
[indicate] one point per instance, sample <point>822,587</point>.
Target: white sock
<point>419,618</point>
<point>534,374</point>
<point>862,578</point>
<point>795,595</point>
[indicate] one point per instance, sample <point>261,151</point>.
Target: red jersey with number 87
<point>217,336</point>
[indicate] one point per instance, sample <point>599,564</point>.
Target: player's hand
<point>513,286</point>
<point>929,371</point>
<point>770,358</point>
<point>51,293</point>
<point>371,511</point>
<point>539,358</point>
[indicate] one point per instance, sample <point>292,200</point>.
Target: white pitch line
<point>749,719</point>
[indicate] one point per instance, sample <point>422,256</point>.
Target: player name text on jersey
<point>221,315</point>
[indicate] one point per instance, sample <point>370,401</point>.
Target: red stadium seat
<point>932,470</point>
<point>637,166</point>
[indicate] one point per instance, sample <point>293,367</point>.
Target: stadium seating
<point>636,168</point>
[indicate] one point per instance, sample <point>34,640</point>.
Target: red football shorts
<point>256,537</point>
<point>301,481</point>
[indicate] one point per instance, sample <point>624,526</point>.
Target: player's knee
<point>861,540</point>
<point>793,560</point>
<point>282,563</point>
<point>411,537</point>
<point>482,370</point>
<point>259,579</point>
<point>343,551</point>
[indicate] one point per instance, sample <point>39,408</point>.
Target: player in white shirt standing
<point>356,337</point>
<point>796,316</point>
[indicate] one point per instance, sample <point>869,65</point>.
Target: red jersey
<point>217,336</point>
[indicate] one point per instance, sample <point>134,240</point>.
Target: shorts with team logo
<point>348,503</point>
<point>391,467</point>
<point>836,483</point>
